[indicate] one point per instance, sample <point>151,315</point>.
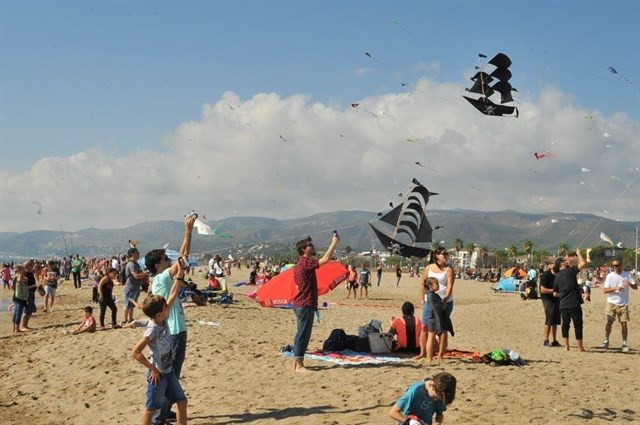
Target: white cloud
<point>432,66</point>
<point>361,72</point>
<point>234,160</point>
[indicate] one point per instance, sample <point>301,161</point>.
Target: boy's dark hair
<point>88,309</point>
<point>153,305</point>
<point>407,309</point>
<point>445,386</point>
<point>132,251</point>
<point>301,245</point>
<point>153,258</point>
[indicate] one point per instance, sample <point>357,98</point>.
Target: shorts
<point>425,311</point>
<point>50,290</point>
<point>133,294</point>
<point>31,304</point>
<point>168,387</point>
<point>551,312</point>
<point>617,311</point>
<point>352,285</point>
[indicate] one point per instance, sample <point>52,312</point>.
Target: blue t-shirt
<point>162,284</point>
<point>416,401</point>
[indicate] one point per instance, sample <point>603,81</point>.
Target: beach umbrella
<point>281,290</point>
<point>521,273</point>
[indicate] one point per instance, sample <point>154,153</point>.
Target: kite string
<point>614,202</point>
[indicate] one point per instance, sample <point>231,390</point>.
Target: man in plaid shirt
<point>305,303</point>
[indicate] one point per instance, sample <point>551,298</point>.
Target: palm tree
<point>482,252</point>
<point>470,248</point>
<point>528,249</point>
<point>457,245</point>
<point>512,250</point>
<point>563,249</point>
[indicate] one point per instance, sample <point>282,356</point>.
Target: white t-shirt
<point>114,264</point>
<point>211,265</point>
<point>442,280</point>
<point>615,280</point>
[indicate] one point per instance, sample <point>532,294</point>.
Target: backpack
<point>336,342</point>
<point>122,277</point>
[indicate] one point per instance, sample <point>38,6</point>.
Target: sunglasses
<point>615,265</point>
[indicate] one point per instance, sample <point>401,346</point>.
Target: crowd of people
<point>165,333</point>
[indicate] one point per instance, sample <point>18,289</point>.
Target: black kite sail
<point>482,87</point>
<point>405,229</point>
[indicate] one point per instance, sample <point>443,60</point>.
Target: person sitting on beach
<point>136,323</point>
<point>438,320</point>
<point>406,330</point>
<point>88,323</point>
<point>213,283</point>
<point>162,382</point>
<point>424,399</point>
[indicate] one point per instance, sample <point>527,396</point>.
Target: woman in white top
<point>440,269</point>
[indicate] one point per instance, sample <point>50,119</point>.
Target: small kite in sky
<point>606,135</point>
<point>588,117</point>
<point>39,206</point>
<point>612,70</point>
<point>355,105</point>
<point>390,204</point>
<point>616,178</point>
<point>543,154</point>
<point>585,170</point>
<point>608,146</point>
<point>134,243</point>
<point>619,245</point>
<point>606,238</point>
<point>229,107</point>
<point>396,23</point>
<point>418,163</point>
<point>285,140</point>
<point>356,184</point>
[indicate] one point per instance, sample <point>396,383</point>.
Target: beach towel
<point>461,354</point>
<point>348,357</point>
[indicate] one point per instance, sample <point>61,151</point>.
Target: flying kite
<point>608,146</point>
<point>285,140</point>
<point>585,170</point>
<point>405,229</point>
<point>543,154</point>
<point>588,117</point>
<point>355,105</point>
<point>481,87</point>
<point>616,178</point>
<point>202,227</point>
<point>612,70</point>
<point>606,238</point>
<point>39,206</point>
<point>619,245</point>
<point>418,163</point>
<point>133,243</point>
<point>606,135</point>
<point>401,27</point>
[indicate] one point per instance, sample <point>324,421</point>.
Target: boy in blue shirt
<point>424,399</point>
<point>162,382</point>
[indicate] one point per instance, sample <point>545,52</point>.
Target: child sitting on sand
<point>424,399</point>
<point>161,381</point>
<point>438,321</point>
<point>88,321</point>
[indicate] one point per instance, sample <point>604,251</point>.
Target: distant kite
<point>543,154</point>
<point>39,206</point>
<point>355,105</point>
<point>607,135</point>
<point>616,178</point>
<point>606,238</point>
<point>612,70</point>
<point>396,23</point>
<point>588,117</point>
<point>133,243</point>
<point>585,170</point>
<point>285,140</point>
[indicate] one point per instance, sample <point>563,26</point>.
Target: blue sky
<point>123,76</point>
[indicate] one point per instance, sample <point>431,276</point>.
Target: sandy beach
<point>234,373</point>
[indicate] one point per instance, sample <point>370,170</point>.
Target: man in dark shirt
<point>550,303</point>
<point>305,303</point>
<point>565,286</point>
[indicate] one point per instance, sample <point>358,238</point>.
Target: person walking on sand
<point>565,286</point>
<point>398,275</point>
<point>51,278</point>
<point>76,268</point>
<point>616,286</point>
<point>305,302</point>
<point>32,285</point>
<point>379,273</point>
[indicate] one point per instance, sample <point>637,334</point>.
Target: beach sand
<point>234,373</point>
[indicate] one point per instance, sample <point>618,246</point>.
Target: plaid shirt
<point>304,275</point>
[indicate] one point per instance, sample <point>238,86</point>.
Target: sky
<point>115,113</point>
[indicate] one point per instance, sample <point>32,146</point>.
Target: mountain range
<point>495,230</point>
